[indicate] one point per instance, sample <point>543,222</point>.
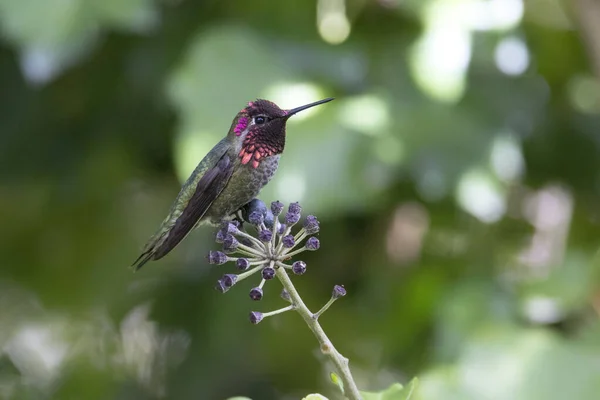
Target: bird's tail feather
<point>142,259</point>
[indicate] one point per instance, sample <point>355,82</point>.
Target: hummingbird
<point>228,177</point>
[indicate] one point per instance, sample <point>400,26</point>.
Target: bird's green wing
<point>209,186</point>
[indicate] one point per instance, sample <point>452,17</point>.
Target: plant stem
<point>327,348</point>
<point>324,308</point>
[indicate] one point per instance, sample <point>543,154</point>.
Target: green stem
<point>252,271</point>
<point>281,310</point>
<point>252,239</point>
<point>327,348</point>
<point>324,308</point>
<point>249,249</point>
<point>293,253</point>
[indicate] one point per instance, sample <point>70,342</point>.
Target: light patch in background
<point>389,149</point>
<point>432,183</point>
<point>584,94</point>
<point>506,158</point>
<point>291,186</point>
<point>512,56</point>
<point>148,352</point>
<point>368,114</point>
<point>478,194</point>
<point>40,65</point>
<point>550,211</point>
<point>332,23</point>
<point>290,95</point>
<point>486,15</point>
<point>553,14</point>
<point>38,351</point>
<point>404,239</point>
<point>543,310</point>
<point>190,148</point>
<point>440,57</point>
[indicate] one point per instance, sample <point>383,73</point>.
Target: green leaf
<point>394,392</point>
<point>315,396</point>
<point>337,381</point>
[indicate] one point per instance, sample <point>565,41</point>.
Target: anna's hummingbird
<point>228,177</point>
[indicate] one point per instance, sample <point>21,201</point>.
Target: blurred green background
<point>456,177</point>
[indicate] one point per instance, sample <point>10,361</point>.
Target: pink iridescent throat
<point>253,150</point>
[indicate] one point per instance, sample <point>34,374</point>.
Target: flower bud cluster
<point>267,249</point>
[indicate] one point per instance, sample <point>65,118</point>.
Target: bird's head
<point>260,127</point>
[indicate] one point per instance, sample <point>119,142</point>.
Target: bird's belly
<point>244,185</point>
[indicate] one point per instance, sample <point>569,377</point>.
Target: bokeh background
<point>456,177</point>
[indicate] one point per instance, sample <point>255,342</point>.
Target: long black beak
<point>304,107</point>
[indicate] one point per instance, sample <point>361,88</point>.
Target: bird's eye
<point>260,120</point>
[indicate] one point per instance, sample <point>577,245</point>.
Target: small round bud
<point>294,208</point>
<point>229,280</point>
<point>217,257</point>
<point>285,295</point>
<point>230,228</point>
<point>338,291</point>
<point>291,218</point>
<point>265,235</point>
<point>299,267</point>
<point>311,225</point>
<point>256,317</point>
<point>288,241</point>
<point>242,264</point>
<point>281,229</point>
<point>312,244</point>
<point>269,219</point>
<point>256,293</point>
<point>220,236</point>
<point>276,207</point>
<point>256,218</point>
<point>220,286</point>
<point>268,273</point>
<point>230,243</point>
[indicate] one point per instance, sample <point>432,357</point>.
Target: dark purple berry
<point>217,257</point>
<point>230,243</point>
<point>291,218</point>
<point>299,267</point>
<point>265,235</point>
<point>254,205</point>
<point>294,208</point>
<point>256,317</point>
<point>256,218</point>
<point>220,236</point>
<point>311,225</point>
<point>281,229</point>
<point>338,291</point>
<point>229,280</point>
<point>242,264</point>
<point>220,286</point>
<point>313,244</point>
<point>256,293</point>
<point>285,295</point>
<point>276,207</point>
<point>268,273</point>
<point>288,241</point>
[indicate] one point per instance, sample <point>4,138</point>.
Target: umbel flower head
<point>269,249</point>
